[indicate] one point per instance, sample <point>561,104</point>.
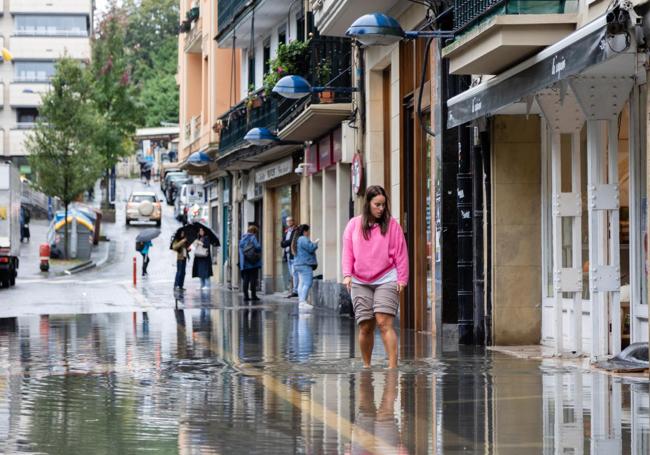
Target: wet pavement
<point>90,364</point>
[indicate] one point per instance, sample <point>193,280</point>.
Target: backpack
<point>139,246</point>
<point>251,255</point>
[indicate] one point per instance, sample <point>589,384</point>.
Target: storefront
<point>568,196</point>
<point>281,190</point>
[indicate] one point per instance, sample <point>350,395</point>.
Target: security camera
<point>301,168</point>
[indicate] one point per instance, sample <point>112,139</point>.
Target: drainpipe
<point>464,261</point>
<point>477,244</point>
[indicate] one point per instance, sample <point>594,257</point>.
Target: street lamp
<point>378,29</point>
<point>198,159</point>
<point>261,137</point>
<point>296,87</point>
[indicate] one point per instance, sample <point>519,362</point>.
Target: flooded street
<point>91,364</point>
<point>229,378</point>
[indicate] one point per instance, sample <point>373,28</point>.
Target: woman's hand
<point>400,287</point>
<point>347,282</point>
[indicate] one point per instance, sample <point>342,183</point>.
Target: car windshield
<point>143,197</point>
<point>176,175</point>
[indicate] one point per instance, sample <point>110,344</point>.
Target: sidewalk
<point>30,258</point>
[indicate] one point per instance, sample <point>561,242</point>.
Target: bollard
<point>135,271</point>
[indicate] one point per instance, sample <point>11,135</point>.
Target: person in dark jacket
<point>287,256</point>
<point>202,265</point>
<point>250,262</point>
<point>182,253</point>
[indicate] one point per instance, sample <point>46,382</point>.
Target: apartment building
<point>36,32</point>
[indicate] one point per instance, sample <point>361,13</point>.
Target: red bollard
<point>135,271</point>
<point>44,254</point>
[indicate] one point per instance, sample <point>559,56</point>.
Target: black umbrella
<point>147,234</point>
<point>192,232</point>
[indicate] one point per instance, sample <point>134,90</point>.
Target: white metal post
<point>594,150</point>
<point>556,187</point>
<point>614,239</point>
<point>636,253</point>
<point>576,241</point>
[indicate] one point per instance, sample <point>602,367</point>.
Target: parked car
<point>167,174</point>
<point>198,212</point>
<point>143,206</point>
<point>188,195</point>
<point>174,185</point>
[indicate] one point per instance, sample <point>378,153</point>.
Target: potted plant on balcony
<point>252,100</point>
<point>194,12</point>
<point>324,76</point>
<point>184,27</point>
<point>287,61</point>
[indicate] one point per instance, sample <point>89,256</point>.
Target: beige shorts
<point>368,299</point>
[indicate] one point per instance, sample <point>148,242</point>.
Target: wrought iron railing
<point>260,113</point>
<point>337,54</point>
<point>470,12</point>
<point>229,10</point>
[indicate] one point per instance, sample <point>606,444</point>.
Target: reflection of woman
<point>375,429</point>
<point>376,270</point>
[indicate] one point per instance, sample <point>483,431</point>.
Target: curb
<point>80,268</point>
<point>104,259</point>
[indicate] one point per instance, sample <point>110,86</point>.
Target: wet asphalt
<point>91,364</point>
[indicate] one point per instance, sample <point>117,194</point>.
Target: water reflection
<point>260,379</point>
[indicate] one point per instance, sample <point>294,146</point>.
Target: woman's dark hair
<point>299,232</point>
<point>367,219</point>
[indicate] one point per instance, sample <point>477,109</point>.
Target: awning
<point>572,55</point>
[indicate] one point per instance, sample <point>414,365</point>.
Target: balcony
<point>26,95</point>
<point>312,116</point>
<point>236,122</point>
<point>194,38</point>
<point>237,14</point>
<point>31,48</point>
<point>493,35</point>
<point>196,128</point>
<point>50,6</point>
<point>333,17</point>
<point>187,133</point>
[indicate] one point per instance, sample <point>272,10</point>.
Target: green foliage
<point>62,153</point>
<point>151,36</point>
<point>324,72</point>
<point>287,61</point>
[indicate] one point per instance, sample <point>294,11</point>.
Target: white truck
<point>10,195</point>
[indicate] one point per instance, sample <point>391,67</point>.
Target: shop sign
<point>325,151</point>
<point>357,173</point>
<point>337,145</point>
<point>274,170</point>
<point>311,159</point>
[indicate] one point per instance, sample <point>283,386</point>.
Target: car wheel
<point>128,222</point>
<point>12,279</point>
<point>158,223</point>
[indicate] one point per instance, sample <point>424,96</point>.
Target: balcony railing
<point>468,13</point>
<point>188,132</point>
<point>236,122</point>
<point>193,38</point>
<point>335,51</point>
<point>229,10</point>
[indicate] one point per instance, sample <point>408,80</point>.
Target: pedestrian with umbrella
<point>143,242</point>
<point>182,248</point>
<point>202,265</point>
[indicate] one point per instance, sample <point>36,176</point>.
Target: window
<point>251,69</point>
<point>282,34</point>
<point>29,71</point>
<point>267,55</point>
<point>59,25</point>
<point>27,115</point>
<point>300,25</point>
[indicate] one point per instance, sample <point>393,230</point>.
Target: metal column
<point>564,116</point>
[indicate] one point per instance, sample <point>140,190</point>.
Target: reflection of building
<point>36,32</point>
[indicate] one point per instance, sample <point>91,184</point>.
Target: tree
<point>113,92</point>
<point>151,34</point>
<point>61,145</point>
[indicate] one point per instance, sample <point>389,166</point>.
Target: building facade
<point>36,32</point>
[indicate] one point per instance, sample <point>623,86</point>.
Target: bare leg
<point>388,336</point>
<point>366,340</point>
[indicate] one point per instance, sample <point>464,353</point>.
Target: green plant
<point>287,61</point>
<point>251,97</point>
<point>324,72</point>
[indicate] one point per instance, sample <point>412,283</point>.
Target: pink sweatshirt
<point>369,260</point>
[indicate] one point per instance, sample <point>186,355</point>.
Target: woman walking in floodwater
<point>376,271</point>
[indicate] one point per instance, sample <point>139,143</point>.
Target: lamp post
<point>378,29</point>
<point>263,136</point>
